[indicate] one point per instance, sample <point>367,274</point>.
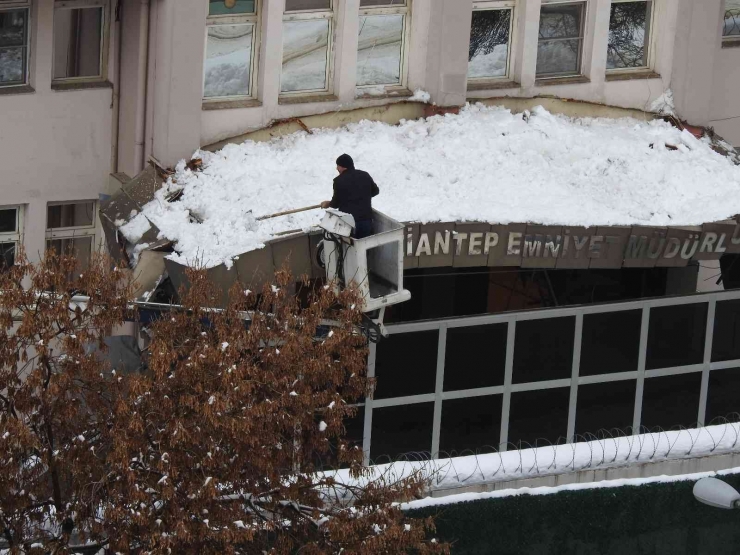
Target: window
<point>70,229</point>
<point>490,37</point>
<point>14,45</point>
<point>629,34</point>
<point>381,43</point>
<point>307,46</point>
<point>731,27</point>
<point>10,234</point>
<point>79,40</point>
<point>560,45</point>
<point>231,43</point>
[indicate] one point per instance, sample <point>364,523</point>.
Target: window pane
<point>470,424</point>
<point>671,401</point>
<point>7,255</point>
<point>629,29</point>
<point>230,7</point>
<point>555,55</point>
<point>475,357</point>
<point>8,217</point>
<point>488,52</point>
<point>559,57</point>
<point>401,430</point>
<point>77,42</point>
<point>297,5</point>
<point>228,60</point>
<point>406,364</point>
<point>723,395</point>
<point>731,27</point>
<point>610,342</point>
<point>543,349</point>
<point>676,336</point>
<point>379,50</point>
<point>539,417</point>
<point>79,247</point>
<point>13,43</point>
<point>390,3</point>
<point>78,214</point>
<point>605,406</point>
<point>726,341</point>
<point>305,44</point>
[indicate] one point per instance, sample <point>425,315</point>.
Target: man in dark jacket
<point>353,191</point>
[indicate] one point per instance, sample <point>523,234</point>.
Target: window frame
<point>311,15</point>
<point>405,11</point>
<point>491,5</point>
<point>649,56</point>
<point>104,39</point>
<point>728,41</point>
<point>581,39</point>
<point>253,19</point>
<point>17,235</point>
<point>15,5</point>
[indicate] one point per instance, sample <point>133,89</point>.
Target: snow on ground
<point>549,490</point>
<point>485,164</point>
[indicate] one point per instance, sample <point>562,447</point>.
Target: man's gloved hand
<point>326,204</point>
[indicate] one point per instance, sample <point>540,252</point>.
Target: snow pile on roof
<point>485,164</point>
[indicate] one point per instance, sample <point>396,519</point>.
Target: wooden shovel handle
<point>288,212</point>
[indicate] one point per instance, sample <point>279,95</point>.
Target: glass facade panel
<point>398,431</point>
<point>488,53</point>
<point>560,39</point>
<point>78,41</point>
<point>610,342</point>
<point>470,425</point>
<point>676,336</point>
<point>726,340</point>
<point>7,254</point>
<point>305,47</point>
<point>605,406</point>
<point>231,7</point>
<point>543,349</point>
<point>406,364</point>
<point>78,214</point>
<point>547,424</point>
<point>228,60</point>
<point>13,46</point>
<point>671,401</point>
<point>379,50</point>
<point>723,396</point>
<point>79,247</point>
<point>475,357</point>
<point>629,35</point>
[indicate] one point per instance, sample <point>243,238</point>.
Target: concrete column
<point>696,46</point>
<point>421,11</point>
<point>525,42</point>
<point>595,46</point>
<point>178,79</point>
<point>42,29</point>
<point>447,55</point>
<point>345,54</point>
<point>270,55</point>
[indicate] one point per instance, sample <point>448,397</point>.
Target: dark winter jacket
<point>353,191</point>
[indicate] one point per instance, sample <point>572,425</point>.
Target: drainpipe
<point>116,101</point>
<point>151,66</point>
<point>141,91</point>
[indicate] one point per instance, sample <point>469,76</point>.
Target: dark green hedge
<point>648,519</point>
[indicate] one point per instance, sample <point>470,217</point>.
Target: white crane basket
<point>374,264</point>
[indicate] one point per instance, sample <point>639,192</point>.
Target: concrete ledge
<point>732,43</point>
<point>492,85</point>
<point>551,81</point>
<point>16,89</point>
<point>80,86</point>
<point>390,93</point>
<point>647,469</point>
<point>231,104</point>
<point>630,75</point>
<point>307,99</point>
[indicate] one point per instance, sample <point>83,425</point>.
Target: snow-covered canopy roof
<point>486,164</point>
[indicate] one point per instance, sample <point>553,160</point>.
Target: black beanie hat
<point>345,161</point>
